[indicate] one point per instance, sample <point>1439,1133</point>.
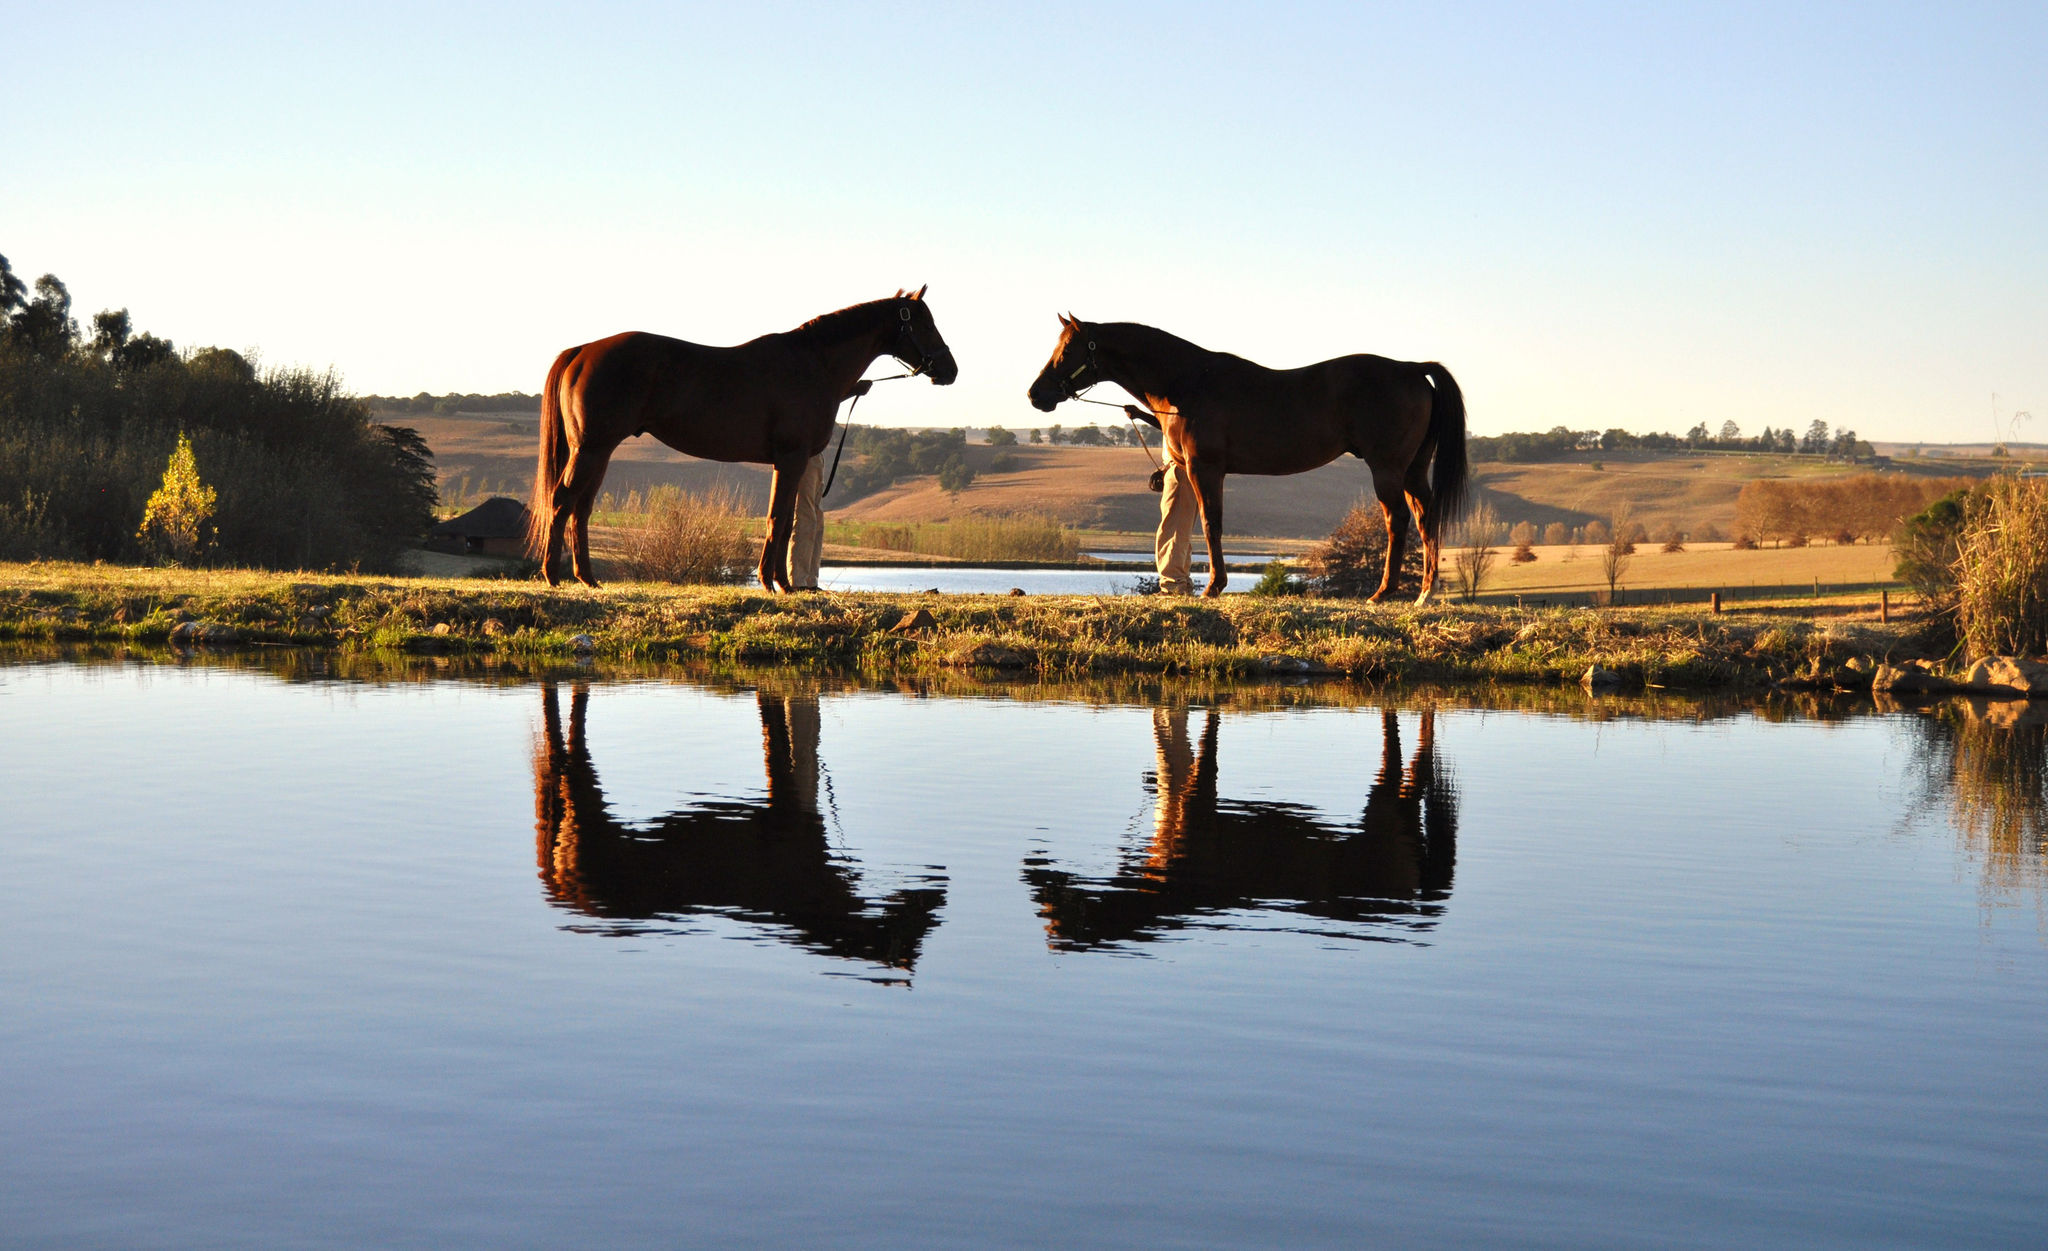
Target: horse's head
<point>918,341</point>
<point>1071,370</point>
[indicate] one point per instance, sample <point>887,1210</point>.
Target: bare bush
<point>688,538</point>
<point>1557,534</point>
<point>1476,536</point>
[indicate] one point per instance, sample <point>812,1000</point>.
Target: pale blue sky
<point>1595,215</point>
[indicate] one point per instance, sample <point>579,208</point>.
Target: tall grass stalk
<point>1027,536</point>
<point>2002,570</point>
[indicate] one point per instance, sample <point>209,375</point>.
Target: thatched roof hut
<point>496,527</point>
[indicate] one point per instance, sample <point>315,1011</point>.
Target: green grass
<point>1052,637</point>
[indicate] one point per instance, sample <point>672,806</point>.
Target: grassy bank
<point>1049,636</point>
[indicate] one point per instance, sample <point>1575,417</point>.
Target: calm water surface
<point>760,962</point>
<point>967,579</point>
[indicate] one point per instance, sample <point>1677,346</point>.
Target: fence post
<point>1714,598</point>
<point>1884,607</point>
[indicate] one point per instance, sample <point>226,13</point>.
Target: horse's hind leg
<point>774,571</point>
<point>1394,505</point>
<point>574,497</point>
<point>1429,520</point>
<point>586,573</point>
<point>1209,493</point>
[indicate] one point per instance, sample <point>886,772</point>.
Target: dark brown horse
<point>1223,414</point>
<point>769,401</point>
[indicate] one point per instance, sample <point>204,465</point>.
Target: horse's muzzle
<point>943,371</point>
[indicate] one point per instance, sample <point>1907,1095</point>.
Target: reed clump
<point>2001,570</point>
<point>687,538</point>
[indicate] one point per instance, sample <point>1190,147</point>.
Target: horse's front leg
<point>774,571</point>
<point>1209,494</point>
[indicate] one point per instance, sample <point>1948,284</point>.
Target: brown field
<point>1703,566</point>
<point>1103,489</point>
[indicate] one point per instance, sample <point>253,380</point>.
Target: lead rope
<point>1132,418</point>
<point>846,427</point>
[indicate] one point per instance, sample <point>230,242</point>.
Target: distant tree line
<point>1867,507</point>
<point>1559,443</point>
<point>877,456</point>
<point>300,476</point>
<point>1091,435</point>
<point>502,402</point>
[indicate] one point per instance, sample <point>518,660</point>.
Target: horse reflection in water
<point>1386,879</point>
<point>763,862</point>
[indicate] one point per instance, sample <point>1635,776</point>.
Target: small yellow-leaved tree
<point>174,520</point>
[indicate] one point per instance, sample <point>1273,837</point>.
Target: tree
<point>174,522</point>
<point>44,326</point>
<point>1816,440</point>
<point>13,294</point>
<point>1053,434</point>
<point>1697,435</point>
<point>1557,534</point>
<point>1619,551</point>
<point>999,437</point>
<point>1730,432</point>
<point>1036,436</point>
<point>955,474</point>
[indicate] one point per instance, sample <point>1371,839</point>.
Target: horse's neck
<point>850,342</point>
<point>1152,362</point>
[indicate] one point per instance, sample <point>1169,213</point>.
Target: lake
<point>416,953</point>
<point>972,579</point>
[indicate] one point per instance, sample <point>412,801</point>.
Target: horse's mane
<point>835,321</point>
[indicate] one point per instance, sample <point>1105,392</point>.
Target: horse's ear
<point>898,295</point>
<point>921,290</point>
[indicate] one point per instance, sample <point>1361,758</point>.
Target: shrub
<point>176,520</point>
<point>1524,553</point>
<point>999,437</point>
<point>1743,542</point>
<point>1278,580</point>
<point>1926,549</point>
<point>2001,570</point>
<point>688,538</point>
<point>1352,560</point>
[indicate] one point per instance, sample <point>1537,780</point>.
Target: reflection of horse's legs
<point>1394,505</point>
<point>1427,520</point>
<point>789,472</point>
<point>1209,493</point>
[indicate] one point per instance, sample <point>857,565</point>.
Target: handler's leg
<point>807,542</point>
<point>1175,542</point>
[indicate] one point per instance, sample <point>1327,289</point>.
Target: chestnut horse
<point>1223,414</point>
<point>769,401</point>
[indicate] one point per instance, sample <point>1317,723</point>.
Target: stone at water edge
<point>493,627</point>
<point>912,622</point>
<point>583,644</point>
<point>1909,680</point>
<point>1597,677</point>
<point>1016,590</point>
<point>2021,676</point>
<point>442,627</point>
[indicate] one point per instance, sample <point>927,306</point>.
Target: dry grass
<point>2002,570</point>
<point>686,538</point>
<point>1030,536</point>
<point>1048,636</point>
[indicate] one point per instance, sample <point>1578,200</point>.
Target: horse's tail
<point>1448,477</point>
<point>547,474</point>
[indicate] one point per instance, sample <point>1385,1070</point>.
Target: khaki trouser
<point>807,534</point>
<point>1174,545</point>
